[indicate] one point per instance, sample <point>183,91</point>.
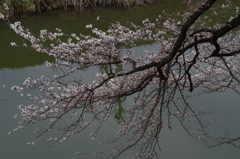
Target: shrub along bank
<point>31,6</point>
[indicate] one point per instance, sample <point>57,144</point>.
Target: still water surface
<point>16,64</point>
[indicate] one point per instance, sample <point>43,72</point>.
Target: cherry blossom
<point>194,53</point>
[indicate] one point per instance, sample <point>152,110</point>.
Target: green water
<point>16,64</point>
<point>69,21</point>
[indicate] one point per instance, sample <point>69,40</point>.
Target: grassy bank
<point>31,6</point>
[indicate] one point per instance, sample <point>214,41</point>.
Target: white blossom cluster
<point>154,80</point>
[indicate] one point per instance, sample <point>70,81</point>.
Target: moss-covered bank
<point>31,6</point>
